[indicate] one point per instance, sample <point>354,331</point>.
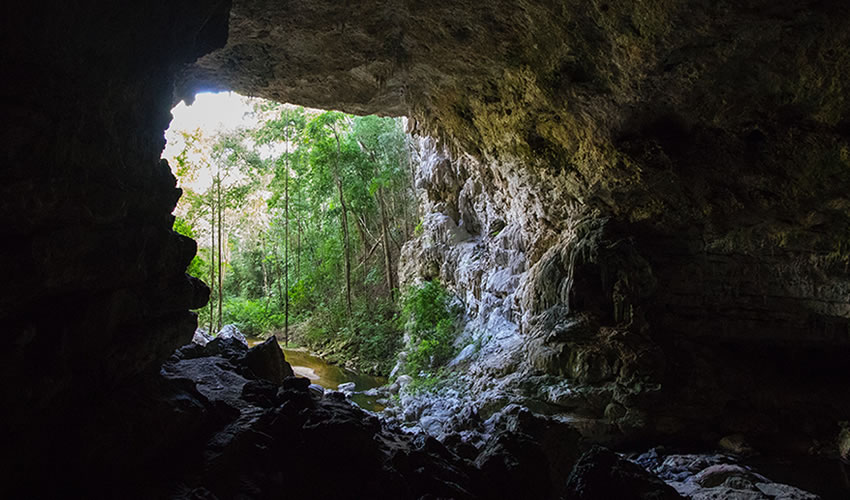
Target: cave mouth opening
<point>299,216</point>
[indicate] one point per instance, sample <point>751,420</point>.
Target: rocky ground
<point>276,432</point>
<point>732,469</point>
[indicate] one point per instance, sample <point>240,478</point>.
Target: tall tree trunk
<point>346,242</point>
<point>266,293</point>
<point>298,250</point>
<point>279,276</point>
<point>220,237</point>
<point>286,247</point>
<point>212,261</point>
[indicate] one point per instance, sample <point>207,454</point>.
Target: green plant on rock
<point>431,383</point>
<point>431,321</point>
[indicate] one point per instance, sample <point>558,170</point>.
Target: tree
<point>287,127</point>
<point>326,159</point>
<point>383,143</point>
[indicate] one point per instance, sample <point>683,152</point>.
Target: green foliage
<point>441,378</point>
<point>198,267</point>
<point>370,336</point>
<point>280,217</point>
<point>253,317</point>
<point>431,323</point>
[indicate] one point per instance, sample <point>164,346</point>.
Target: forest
<point>299,222</point>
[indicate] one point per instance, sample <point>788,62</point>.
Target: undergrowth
<point>431,322</point>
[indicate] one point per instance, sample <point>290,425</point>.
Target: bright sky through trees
<point>214,112</point>
<point>211,113</point>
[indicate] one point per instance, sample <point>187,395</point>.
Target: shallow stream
<point>331,376</point>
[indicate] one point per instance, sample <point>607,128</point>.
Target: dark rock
<point>706,476</point>
<point>316,390</point>
<point>226,347</point>
<point>844,442</point>
<point>297,383</point>
<point>260,392</point>
<point>514,466</point>
<point>267,361</point>
<point>717,475</point>
<point>460,447</point>
<point>560,443</point>
<point>601,474</point>
<point>191,351</point>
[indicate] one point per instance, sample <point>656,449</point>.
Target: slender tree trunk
<point>279,277</point>
<point>266,293</point>
<point>286,247</point>
<point>212,261</point>
<point>346,241</point>
<point>298,250</point>
<point>220,237</point>
<point>346,244</point>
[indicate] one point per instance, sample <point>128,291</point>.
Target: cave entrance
<point>300,216</point>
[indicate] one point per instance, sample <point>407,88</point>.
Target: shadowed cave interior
<point>642,207</point>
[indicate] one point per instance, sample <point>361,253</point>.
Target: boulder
<point>299,384</point>
<point>736,443</point>
<point>191,350</point>
<point>227,347</point>
<point>432,425</point>
<point>261,393</point>
<point>267,361</point>
<point>514,466</point>
<point>316,391</point>
<point>718,474</point>
<point>785,492</point>
<point>201,337</point>
<point>713,476</point>
<point>601,473</point>
<point>401,382</point>
<point>346,387</point>
<point>231,331</point>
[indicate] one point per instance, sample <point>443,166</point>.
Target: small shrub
<point>430,383</point>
